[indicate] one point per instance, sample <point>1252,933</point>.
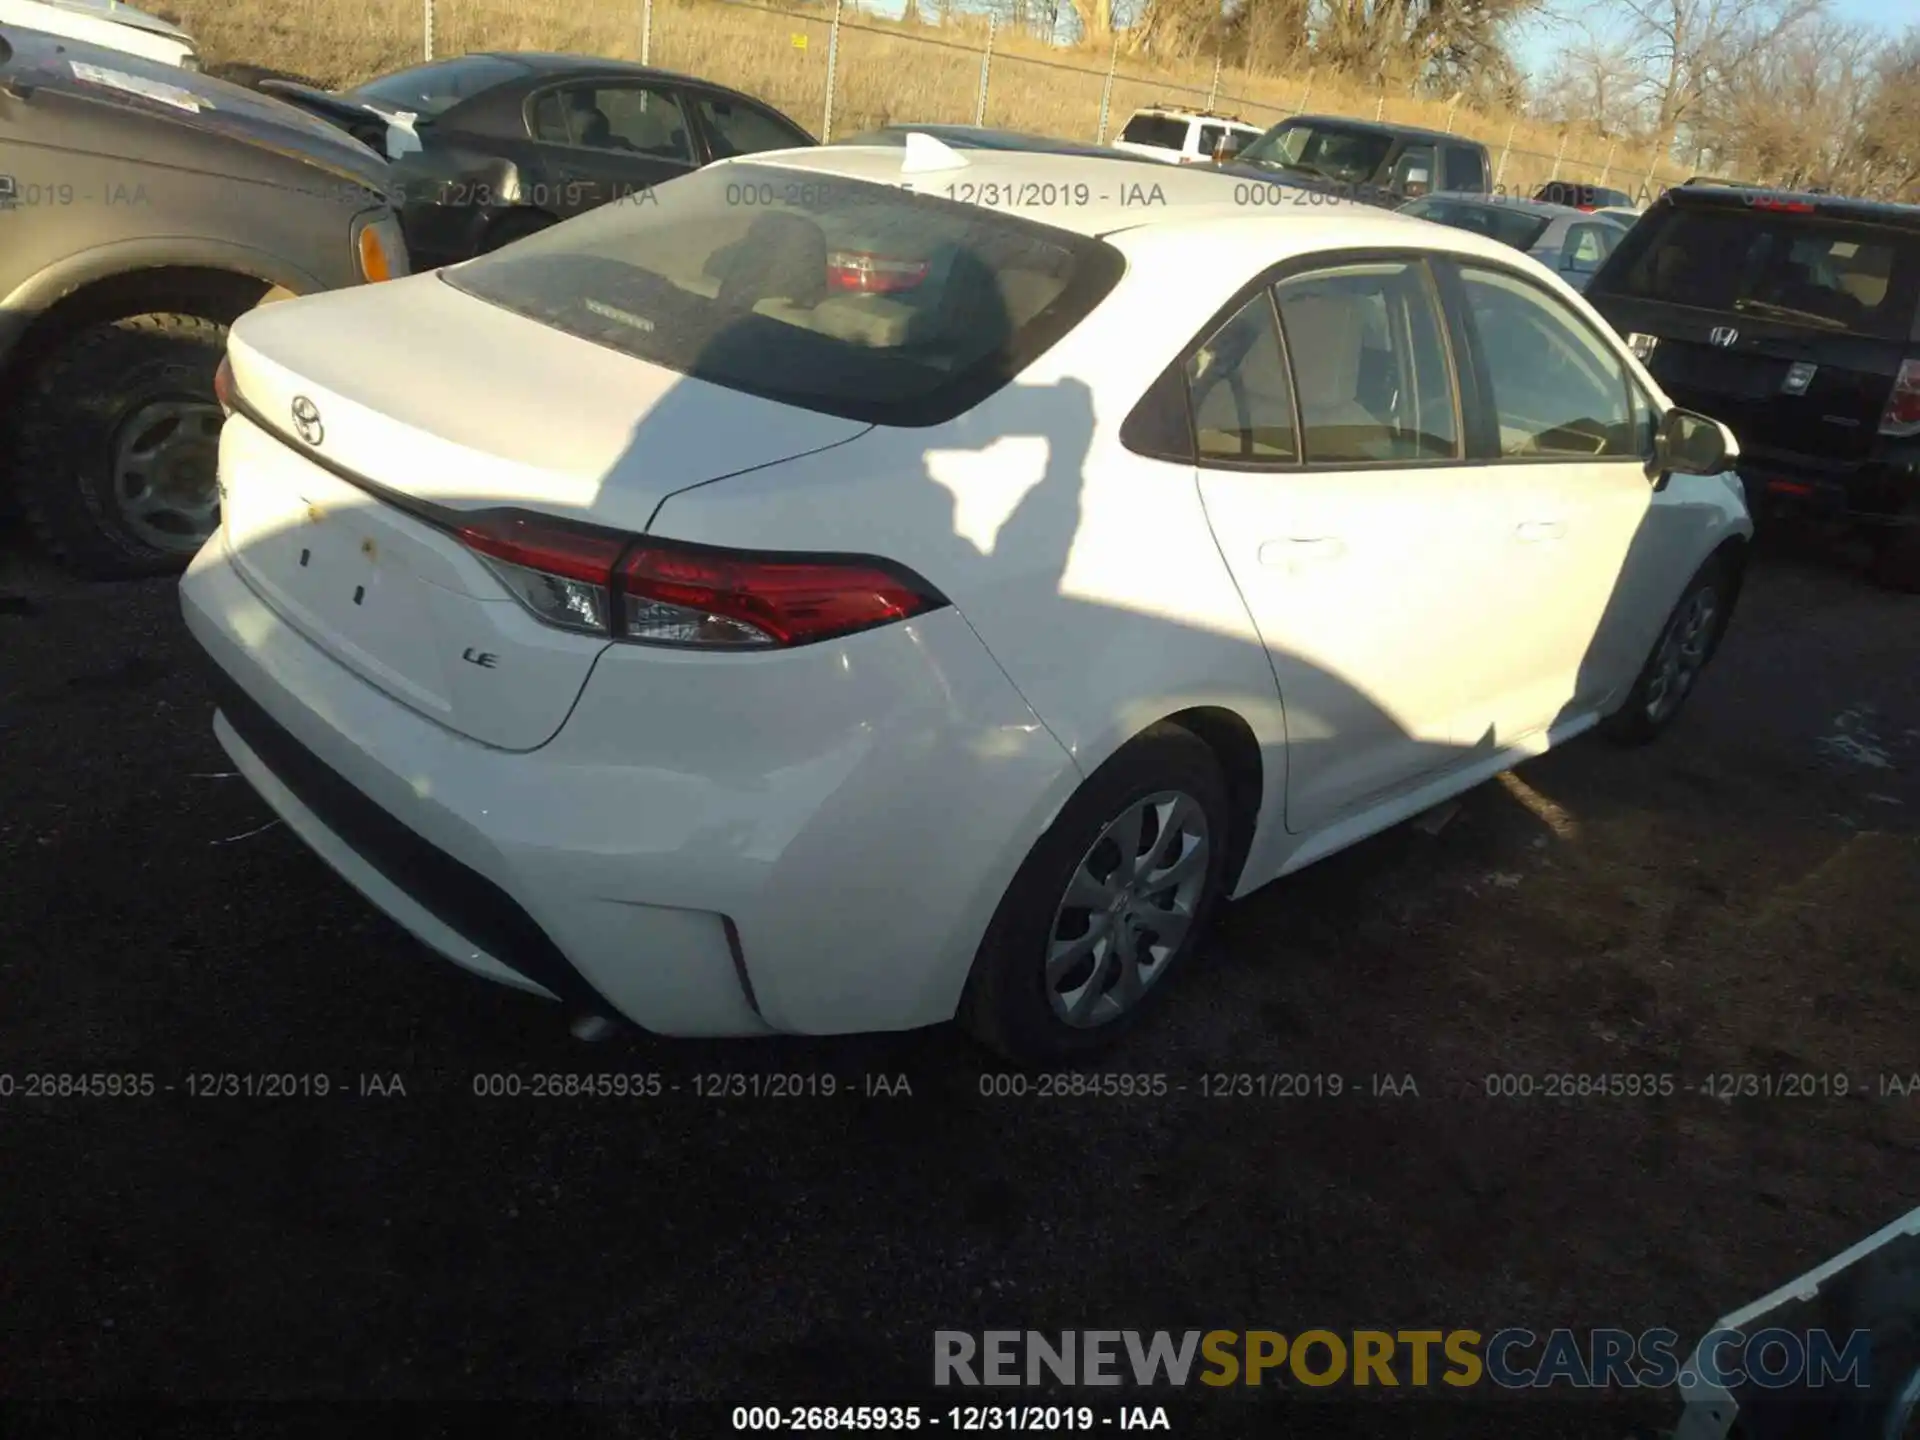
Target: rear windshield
<point>1510,227</point>
<point>432,90</point>
<point>1162,130</point>
<point>840,296</point>
<point>1808,270</point>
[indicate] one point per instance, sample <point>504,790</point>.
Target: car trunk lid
<point>367,434</point>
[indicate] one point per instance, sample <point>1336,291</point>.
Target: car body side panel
<point>1090,573</point>
<point>101,188</point>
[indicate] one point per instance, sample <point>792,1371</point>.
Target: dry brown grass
<point>886,72</point>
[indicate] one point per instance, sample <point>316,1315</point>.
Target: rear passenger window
<point>1242,402</point>
<point>1370,365</point>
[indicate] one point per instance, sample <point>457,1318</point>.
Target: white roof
<point>1178,112</point>
<point>1150,202</point>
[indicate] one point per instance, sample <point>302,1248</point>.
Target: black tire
<point>1896,559</point>
<point>512,226</point>
<point>1633,723</point>
<point>1006,1005</point>
<point>68,426</point>
<point>1889,1308</point>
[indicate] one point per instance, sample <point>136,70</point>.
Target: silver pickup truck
<point>143,208</point>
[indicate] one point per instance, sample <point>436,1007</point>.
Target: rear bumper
<point>834,875</point>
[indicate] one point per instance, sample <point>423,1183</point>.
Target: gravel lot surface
<point>1741,898</point>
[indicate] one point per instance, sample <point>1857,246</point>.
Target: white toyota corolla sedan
<point>850,588</point>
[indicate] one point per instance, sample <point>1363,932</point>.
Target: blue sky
<point>1535,49</point>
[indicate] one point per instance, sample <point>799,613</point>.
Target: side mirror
<point>1689,443</point>
<point>1229,146</point>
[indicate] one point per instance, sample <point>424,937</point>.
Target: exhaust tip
<point>591,1028</point>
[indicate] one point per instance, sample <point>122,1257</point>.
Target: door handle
<point>1301,550</point>
<point>1536,530</point>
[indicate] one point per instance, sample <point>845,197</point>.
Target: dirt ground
<point>1741,899</point>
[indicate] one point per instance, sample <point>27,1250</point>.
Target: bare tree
<point>1595,80</point>
<point>1790,115</point>
<point>1688,47</point>
<point>1888,148</point>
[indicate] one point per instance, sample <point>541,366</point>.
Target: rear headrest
<point>781,257</point>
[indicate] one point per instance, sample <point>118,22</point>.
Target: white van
<point>108,24</point>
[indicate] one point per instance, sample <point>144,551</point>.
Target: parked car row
<point>848,589</point>
<point>1573,242</point>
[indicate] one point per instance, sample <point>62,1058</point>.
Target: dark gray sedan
<point>1573,242</point>
<point>490,147</point>
<point>143,208</point>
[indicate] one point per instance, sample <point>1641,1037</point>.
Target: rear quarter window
<point>840,296</point>
<point>1160,130</point>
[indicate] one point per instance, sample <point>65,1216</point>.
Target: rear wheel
<point>1687,642</point>
<point>118,442</point>
<point>1112,899</point>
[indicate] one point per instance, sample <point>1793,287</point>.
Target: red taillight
<point>1903,406</point>
<point>1791,207</point>
<point>855,272</point>
<point>657,593</point>
<point>707,598</point>
<point>223,386</point>
<point>1789,487</point>
<point>562,573</point>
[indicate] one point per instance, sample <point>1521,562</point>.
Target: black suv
<point>1795,319</point>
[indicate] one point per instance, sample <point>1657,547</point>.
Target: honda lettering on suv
<point>1795,319</point>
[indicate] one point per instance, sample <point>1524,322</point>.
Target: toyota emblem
<point>306,420</point>
<point>1724,335</point>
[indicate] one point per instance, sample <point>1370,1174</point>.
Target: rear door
<point>1336,492</point>
<point>1789,326</point>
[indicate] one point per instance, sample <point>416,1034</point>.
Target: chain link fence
<point>839,70</point>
